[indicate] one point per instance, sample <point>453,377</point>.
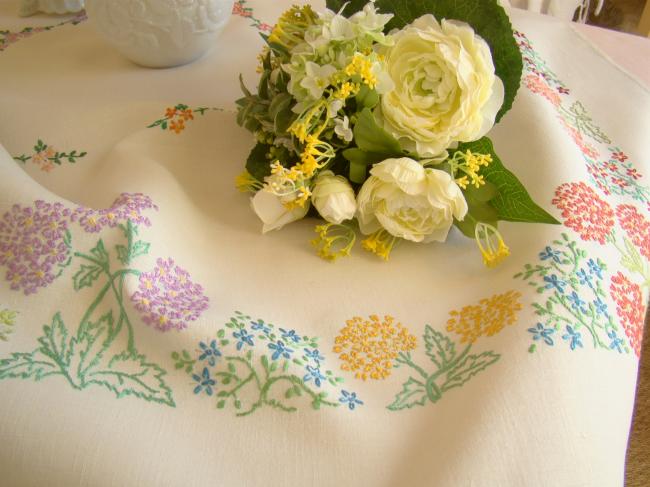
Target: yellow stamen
<point>491,244</point>
<point>469,163</point>
<point>246,183</point>
<point>380,243</point>
<point>333,241</point>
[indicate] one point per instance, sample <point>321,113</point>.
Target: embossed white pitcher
<point>160,33</point>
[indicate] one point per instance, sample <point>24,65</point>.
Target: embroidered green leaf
<point>513,203</point>
<point>487,18</point>
<point>183,360</point>
<point>413,393</point>
<point>94,340</point>
<point>55,342</point>
<point>7,322</point>
<point>99,252</point>
<point>86,276</point>
<point>27,366</point>
<point>440,349</point>
<point>467,368</point>
<point>131,374</point>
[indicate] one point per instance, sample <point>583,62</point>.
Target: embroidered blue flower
<point>595,268</point>
<point>549,253</point>
<point>244,338</point>
<point>350,398</point>
<point>314,354</point>
<point>574,337</point>
<point>290,335</point>
<point>205,382</point>
<point>553,281</point>
<point>576,302</point>
<point>616,341</point>
<point>584,278</point>
<point>314,373</point>
<point>280,349</point>
<point>209,352</point>
<point>600,307</point>
<point>259,325</point>
<point>542,333</point>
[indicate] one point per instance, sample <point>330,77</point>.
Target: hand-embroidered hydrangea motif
<point>574,306</point>
<point>34,244</point>
<point>251,364</point>
<point>167,298</point>
<point>629,308</point>
<point>101,351</point>
<point>486,318</point>
<point>7,323</point>
<point>127,207</point>
<point>584,211</point>
<point>636,227</point>
<point>369,347</point>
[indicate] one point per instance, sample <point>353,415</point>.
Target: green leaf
<point>27,366</point>
<point>265,362</point>
<point>94,339</point>
<point>257,164</point>
<point>370,137</point>
<point>487,18</point>
<point>467,368</point>
<point>413,394</point>
<point>440,349</point>
<point>367,97</point>
<point>513,203</point>
<point>221,333</point>
<point>55,343</point>
<point>122,254</point>
<point>86,276</point>
<point>99,252</point>
<point>129,374</point>
<point>221,404</point>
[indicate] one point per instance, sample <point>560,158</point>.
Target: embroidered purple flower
<point>128,206</point>
<point>167,297</point>
<point>34,244</point>
<point>280,349</point>
<point>209,352</point>
<point>205,382</point>
<point>315,374</point>
<point>244,338</point>
<point>350,398</point>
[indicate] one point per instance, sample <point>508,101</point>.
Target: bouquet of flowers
<point>374,115</point>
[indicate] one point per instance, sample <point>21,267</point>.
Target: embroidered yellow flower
<point>487,318</point>
<point>368,347</point>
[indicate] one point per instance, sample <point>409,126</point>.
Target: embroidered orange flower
<point>177,125</point>
<point>170,113</point>
<point>369,346</point>
<point>486,318</point>
<point>187,114</point>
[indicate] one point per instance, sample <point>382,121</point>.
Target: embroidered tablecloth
<point>151,336</point>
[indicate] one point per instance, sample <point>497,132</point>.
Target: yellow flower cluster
<point>334,241</point>
<point>469,163</point>
<point>380,243</point>
<point>368,347</point>
<point>487,318</point>
<point>362,66</point>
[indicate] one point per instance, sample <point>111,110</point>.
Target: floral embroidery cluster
<point>249,364</point>
<point>46,156</point>
<point>8,38</point>
<point>167,298</point>
<point>175,117</point>
<point>486,318</point>
<point>573,287</point>
<point>7,323</point>
<point>240,9</point>
<point>452,367</point>
<point>369,347</point>
<point>630,309</point>
<point>101,351</point>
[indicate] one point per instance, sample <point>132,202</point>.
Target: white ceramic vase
<point>160,33</point>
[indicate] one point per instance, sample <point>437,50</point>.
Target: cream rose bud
<point>445,87</point>
<point>409,201</point>
<point>333,197</point>
<point>271,210</point>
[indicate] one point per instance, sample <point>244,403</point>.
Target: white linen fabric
<point>128,328</point>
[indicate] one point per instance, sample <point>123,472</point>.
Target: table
<point>522,375</point>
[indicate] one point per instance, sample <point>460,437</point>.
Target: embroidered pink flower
<point>629,307</point>
<point>264,27</point>
<point>537,85</point>
<point>584,147</point>
<point>128,206</point>
<point>562,90</point>
<point>619,156</point>
<point>34,244</point>
<point>167,298</point>
<point>239,9</point>
<point>636,227</point>
<point>584,212</point>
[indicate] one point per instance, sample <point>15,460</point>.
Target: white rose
<point>409,201</point>
<point>445,87</point>
<point>271,210</point>
<point>333,197</point>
